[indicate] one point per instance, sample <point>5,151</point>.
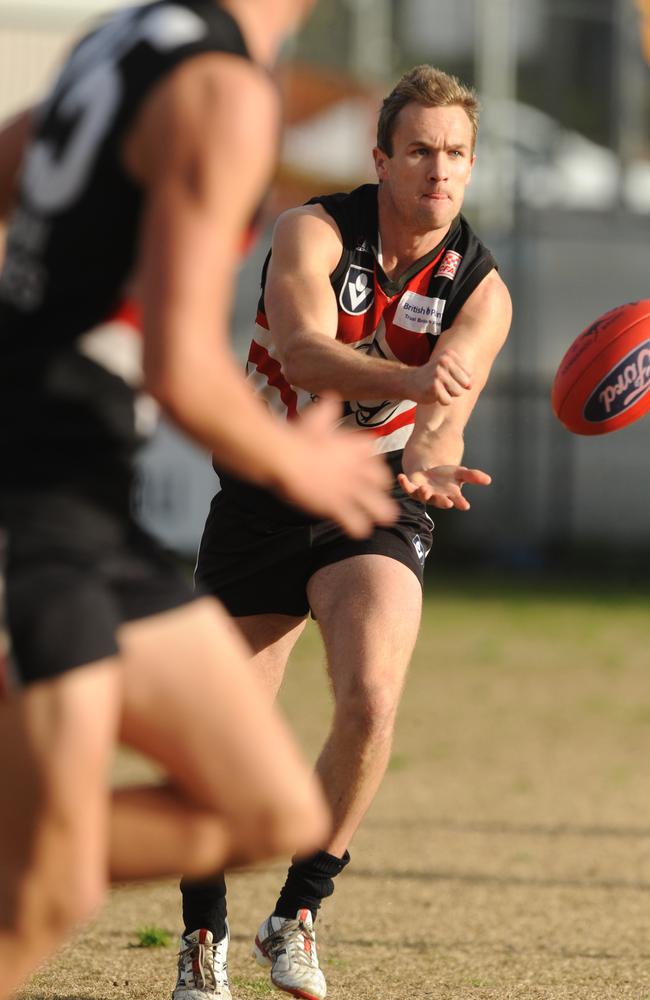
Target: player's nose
<point>438,167</point>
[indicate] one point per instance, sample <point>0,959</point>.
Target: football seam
<point>584,371</point>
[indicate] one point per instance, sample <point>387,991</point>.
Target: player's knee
<point>371,709</point>
<point>309,820</point>
<point>296,822</point>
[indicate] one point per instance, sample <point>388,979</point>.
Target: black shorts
<point>74,572</point>
<point>258,558</point>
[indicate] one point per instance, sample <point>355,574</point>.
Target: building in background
<point>561,193</point>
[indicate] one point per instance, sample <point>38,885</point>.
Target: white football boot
<point>202,967</point>
<point>289,948</point>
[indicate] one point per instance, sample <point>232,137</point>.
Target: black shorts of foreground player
<point>387,295</point>
<point>143,164</point>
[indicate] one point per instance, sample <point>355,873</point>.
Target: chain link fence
<point>553,493</point>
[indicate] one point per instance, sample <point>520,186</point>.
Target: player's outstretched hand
<point>337,477</point>
<point>441,486</point>
<point>442,378</point>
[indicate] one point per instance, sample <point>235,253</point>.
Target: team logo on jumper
<point>419,548</point>
<point>420,313</point>
<point>370,414</point>
<point>358,292</point>
<point>622,387</point>
<point>449,265</point>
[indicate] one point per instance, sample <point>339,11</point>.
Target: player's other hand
<point>336,476</point>
<point>442,378</point>
<point>441,486</point>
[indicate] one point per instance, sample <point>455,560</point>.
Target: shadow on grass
<point>478,878</point>
<point>59,996</point>
<point>515,829</point>
<point>427,946</point>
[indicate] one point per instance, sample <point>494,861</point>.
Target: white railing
<point>34,34</point>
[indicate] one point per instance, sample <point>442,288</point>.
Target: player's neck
<point>264,27</point>
<point>402,245</point>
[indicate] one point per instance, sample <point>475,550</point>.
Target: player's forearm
<point>209,400</point>
<point>317,364</point>
<point>428,448</point>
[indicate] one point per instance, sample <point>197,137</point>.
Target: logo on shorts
<point>622,387</point>
<point>419,548</point>
<point>449,265</point>
<point>358,291</point>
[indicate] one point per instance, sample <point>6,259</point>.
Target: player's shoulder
<point>310,232</point>
<point>342,220</point>
<point>493,287</point>
<point>311,216</point>
<point>208,105</point>
<point>492,293</point>
<point>219,83</point>
<point>468,241</point>
<point>491,301</point>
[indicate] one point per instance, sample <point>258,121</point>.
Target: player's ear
<point>381,158</point>
<point>471,166</point>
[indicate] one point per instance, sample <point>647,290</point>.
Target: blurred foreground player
<point>386,294</point>
<point>143,163</point>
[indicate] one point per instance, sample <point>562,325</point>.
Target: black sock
<point>204,905</point>
<point>309,881</point>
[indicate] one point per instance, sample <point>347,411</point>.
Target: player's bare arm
<point>302,313</point>
<point>431,462</point>
<point>206,164</point>
<point>13,140</point>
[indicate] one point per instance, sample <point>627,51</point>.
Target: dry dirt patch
<point>508,853</point>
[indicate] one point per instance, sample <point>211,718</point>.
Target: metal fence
<point>552,492</point>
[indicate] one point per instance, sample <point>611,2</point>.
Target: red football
<point>603,382</point>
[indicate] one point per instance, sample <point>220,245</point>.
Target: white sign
<point>420,313</point>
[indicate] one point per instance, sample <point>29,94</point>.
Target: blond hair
<point>431,88</point>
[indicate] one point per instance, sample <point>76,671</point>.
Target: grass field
<point>508,852</point>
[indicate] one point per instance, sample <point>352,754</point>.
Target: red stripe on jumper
<point>261,320</point>
<point>129,312</point>
<point>401,420</point>
<point>266,365</point>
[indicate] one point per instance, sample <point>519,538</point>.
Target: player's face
<point>431,165</point>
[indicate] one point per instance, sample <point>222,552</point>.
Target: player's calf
<point>43,898</point>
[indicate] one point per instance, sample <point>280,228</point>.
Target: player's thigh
<point>368,608</point>
<point>56,743</point>
<point>271,639</point>
<point>253,563</point>
<point>193,703</point>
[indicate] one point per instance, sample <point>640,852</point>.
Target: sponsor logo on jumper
<point>622,387</point>
<point>420,313</point>
<point>449,265</point>
<point>358,291</point>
